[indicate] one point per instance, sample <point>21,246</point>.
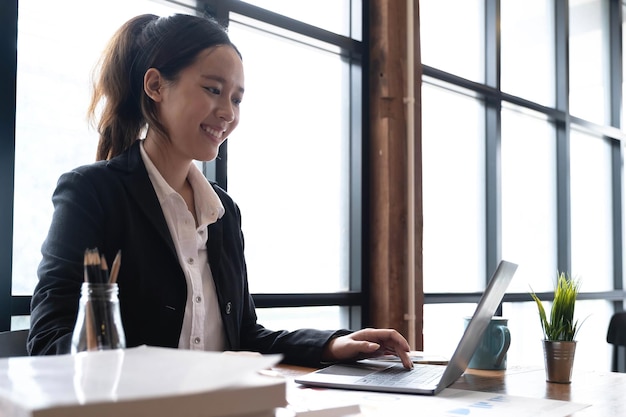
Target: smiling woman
<point>183,282</point>
<point>198,110</point>
<point>286,143</point>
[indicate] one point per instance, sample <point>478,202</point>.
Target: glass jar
<point>98,323</point>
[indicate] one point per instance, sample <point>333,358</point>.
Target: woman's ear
<point>152,83</point>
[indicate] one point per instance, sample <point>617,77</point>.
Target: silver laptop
<point>372,375</point>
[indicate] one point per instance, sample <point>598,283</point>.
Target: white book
<point>141,381</point>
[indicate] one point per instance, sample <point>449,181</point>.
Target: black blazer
<point>112,205</point>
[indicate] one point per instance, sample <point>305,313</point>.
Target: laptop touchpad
<point>348,370</point>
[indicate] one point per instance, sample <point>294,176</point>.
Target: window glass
<point>592,250</point>
<point>444,325</point>
<point>528,55</point>
<point>288,164</point>
<point>453,160</point>
<point>293,318</point>
<point>588,60</point>
<point>55,55</point>
<point>528,163</point>
<point>452,36</point>
<point>332,15</point>
<point>592,351</point>
<point>453,163</point>
<point>526,334</point>
<point>20,322</point>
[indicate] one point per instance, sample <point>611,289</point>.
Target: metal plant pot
<point>559,360</point>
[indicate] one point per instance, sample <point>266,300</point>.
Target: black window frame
<point>493,98</point>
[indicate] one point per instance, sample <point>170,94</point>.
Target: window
<point>448,230</point>
<point>530,170</point>
<point>287,164</point>
<point>54,62</point>
<point>292,165</point>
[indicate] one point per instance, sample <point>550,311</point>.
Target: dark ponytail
<point>168,44</point>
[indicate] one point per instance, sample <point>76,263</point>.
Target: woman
<point>183,280</point>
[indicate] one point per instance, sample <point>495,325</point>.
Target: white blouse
<point>202,325</point>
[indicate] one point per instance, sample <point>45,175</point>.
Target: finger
<point>405,358</point>
<point>368,347</point>
<point>398,345</point>
<point>402,353</point>
<point>388,337</point>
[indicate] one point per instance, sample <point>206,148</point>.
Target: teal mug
<point>491,352</point>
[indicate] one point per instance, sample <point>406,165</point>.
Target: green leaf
<point>560,326</point>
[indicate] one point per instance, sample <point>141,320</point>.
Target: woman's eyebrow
<point>220,80</point>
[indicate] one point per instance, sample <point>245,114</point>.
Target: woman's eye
<point>213,90</point>
<point>237,101</point>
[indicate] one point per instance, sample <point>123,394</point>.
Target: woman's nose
<point>227,111</point>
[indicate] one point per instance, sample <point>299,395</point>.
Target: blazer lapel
<point>223,288</point>
<point>214,247</point>
<point>141,190</point>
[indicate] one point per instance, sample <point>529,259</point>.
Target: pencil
<point>115,268</point>
<point>104,270</point>
<point>90,326</point>
<point>99,323</point>
<point>92,266</point>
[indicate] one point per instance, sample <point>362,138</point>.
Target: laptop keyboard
<point>421,375</point>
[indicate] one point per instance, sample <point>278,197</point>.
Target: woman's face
<point>201,108</point>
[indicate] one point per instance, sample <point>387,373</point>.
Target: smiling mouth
<point>215,133</point>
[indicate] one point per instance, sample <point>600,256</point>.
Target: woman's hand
<point>368,343</point>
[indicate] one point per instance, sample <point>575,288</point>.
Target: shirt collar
<point>209,207</point>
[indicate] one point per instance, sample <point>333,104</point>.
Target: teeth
<point>213,132</point>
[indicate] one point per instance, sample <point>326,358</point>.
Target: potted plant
<point>560,329</point>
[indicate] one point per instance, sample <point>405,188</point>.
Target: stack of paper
<point>142,381</point>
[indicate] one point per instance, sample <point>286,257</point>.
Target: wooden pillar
<point>389,249</point>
